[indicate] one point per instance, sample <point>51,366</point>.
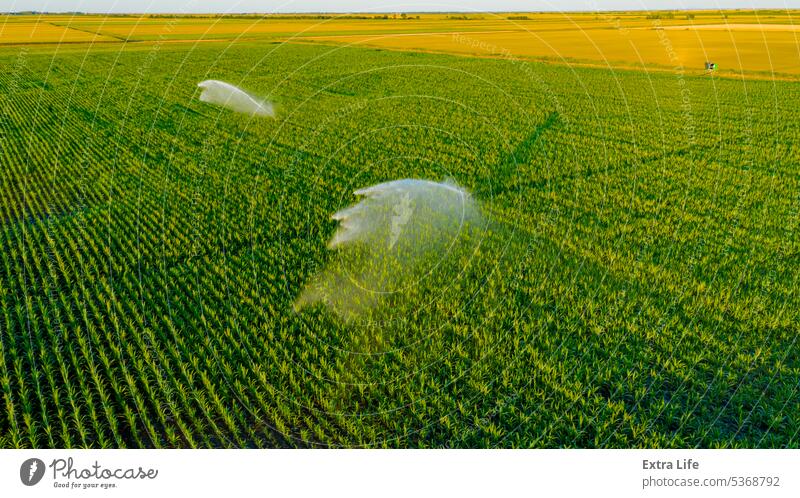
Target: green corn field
<point>635,284</point>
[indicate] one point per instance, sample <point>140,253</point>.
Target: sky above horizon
<point>260,6</point>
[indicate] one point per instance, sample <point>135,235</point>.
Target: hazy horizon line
<point>376,12</point>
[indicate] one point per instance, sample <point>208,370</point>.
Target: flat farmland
<point>26,33</point>
<point>636,284</point>
<point>735,51</point>
<point>759,44</point>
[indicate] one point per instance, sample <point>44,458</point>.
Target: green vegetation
<point>637,287</point>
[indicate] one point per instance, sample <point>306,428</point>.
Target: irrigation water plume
<point>234,98</point>
<point>400,233</point>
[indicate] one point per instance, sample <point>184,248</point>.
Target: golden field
<point>758,43</point>
<point>44,32</point>
<point>733,50</point>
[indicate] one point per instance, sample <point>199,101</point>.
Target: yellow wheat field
<point>44,32</point>
<point>732,50</point>
<point>739,42</point>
